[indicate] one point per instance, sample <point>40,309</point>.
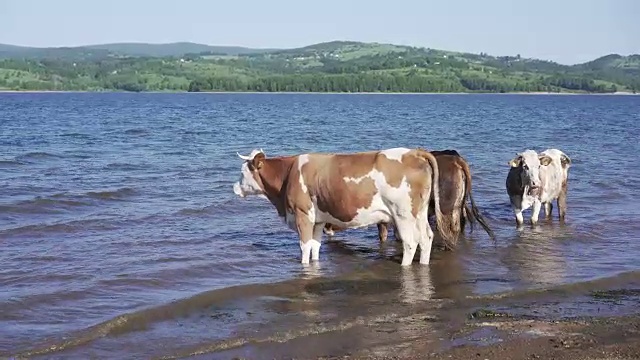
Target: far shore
<point>625,93</point>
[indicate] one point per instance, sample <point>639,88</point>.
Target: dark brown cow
<point>455,188</point>
<point>349,191</point>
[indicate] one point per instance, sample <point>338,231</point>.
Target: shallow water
<point>121,236</point>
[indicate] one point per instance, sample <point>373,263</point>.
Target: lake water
<point>121,236</point>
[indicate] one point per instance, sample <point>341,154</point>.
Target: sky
<point>565,31</point>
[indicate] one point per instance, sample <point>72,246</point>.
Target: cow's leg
<point>562,204</point>
<point>383,231</point>
<point>535,212</point>
<point>315,241</point>
<point>519,217</point>
<point>516,205</point>
<point>456,222</point>
<point>305,232</point>
<point>396,234</point>
<point>548,207</point>
<point>407,230</point>
<point>425,238</point>
<point>328,229</point>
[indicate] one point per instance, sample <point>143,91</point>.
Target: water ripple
<point>116,203</point>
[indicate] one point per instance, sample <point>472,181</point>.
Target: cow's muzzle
<point>534,191</point>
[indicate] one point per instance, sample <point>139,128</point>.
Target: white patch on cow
<point>302,160</point>
<point>378,211</point>
<point>395,153</point>
<point>247,185</point>
<point>530,158</point>
<point>311,214</point>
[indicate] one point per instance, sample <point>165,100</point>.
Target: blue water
<point>115,203</point>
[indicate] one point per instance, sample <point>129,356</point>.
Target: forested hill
<point>338,66</point>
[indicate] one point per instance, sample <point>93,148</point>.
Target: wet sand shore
<point>583,339</point>
<point>592,320</point>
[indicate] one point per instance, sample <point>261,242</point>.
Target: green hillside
<point>337,66</point>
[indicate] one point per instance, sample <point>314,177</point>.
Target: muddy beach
<point>606,338</point>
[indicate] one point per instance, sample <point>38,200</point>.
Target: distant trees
<point>315,70</point>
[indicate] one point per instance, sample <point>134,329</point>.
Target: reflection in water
<point>311,270</point>
<point>535,255</point>
<point>416,284</point>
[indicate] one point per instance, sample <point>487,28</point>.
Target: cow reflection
<point>536,255</point>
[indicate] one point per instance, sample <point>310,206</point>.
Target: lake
<point>121,236</point>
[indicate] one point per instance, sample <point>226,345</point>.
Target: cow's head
<point>528,163</point>
<point>250,182</point>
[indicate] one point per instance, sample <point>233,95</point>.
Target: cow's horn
<point>243,157</point>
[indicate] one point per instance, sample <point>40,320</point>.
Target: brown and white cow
<point>351,191</point>
<point>535,179</point>
<point>455,189</point>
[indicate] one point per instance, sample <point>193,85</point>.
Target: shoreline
<point>602,338</point>
<point>619,93</point>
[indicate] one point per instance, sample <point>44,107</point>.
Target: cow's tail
<point>473,214</point>
<point>445,231</point>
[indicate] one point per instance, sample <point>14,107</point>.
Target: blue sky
<point>567,31</point>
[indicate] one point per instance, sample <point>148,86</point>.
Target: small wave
<point>136,131</point>
<point>76,135</point>
<point>40,205</point>
<point>196,132</point>
<point>124,166</point>
<point>36,155</point>
<point>59,202</point>
<point>11,163</point>
<point>198,211</point>
<point>61,227</point>
<point>78,156</point>
<point>117,194</point>
<point>140,320</point>
<point>179,152</point>
<point>627,279</point>
<point>229,207</point>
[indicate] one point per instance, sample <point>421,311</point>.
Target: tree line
<point>374,73</point>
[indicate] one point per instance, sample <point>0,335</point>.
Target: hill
<point>336,66</point>
<point>173,49</point>
<point>123,49</point>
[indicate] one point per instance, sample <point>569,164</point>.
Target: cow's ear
<point>565,160</point>
<point>544,160</point>
<point>516,161</point>
<point>258,160</point>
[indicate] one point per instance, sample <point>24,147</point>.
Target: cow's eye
<point>525,166</point>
